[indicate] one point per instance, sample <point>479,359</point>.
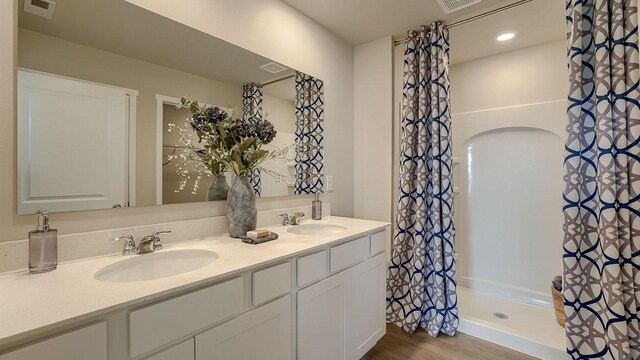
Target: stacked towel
<point>256,241</point>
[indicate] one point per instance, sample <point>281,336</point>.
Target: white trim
<point>126,90</point>
<point>131,148</point>
<point>511,292</point>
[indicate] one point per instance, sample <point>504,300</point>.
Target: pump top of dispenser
<point>43,220</point>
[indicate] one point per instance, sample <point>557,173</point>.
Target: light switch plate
<point>329,183</point>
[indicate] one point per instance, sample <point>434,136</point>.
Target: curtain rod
<point>278,80</point>
<point>473,18</point>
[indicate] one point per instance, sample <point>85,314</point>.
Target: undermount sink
<point>156,265</point>
<point>315,229</point>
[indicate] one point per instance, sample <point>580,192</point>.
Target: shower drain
<point>501,316</point>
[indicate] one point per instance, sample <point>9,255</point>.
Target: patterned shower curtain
<point>252,109</point>
<point>421,287</point>
<point>602,181</point>
<point>309,114</point>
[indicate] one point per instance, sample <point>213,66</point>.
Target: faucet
<point>293,220</point>
<point>151,243</point>
<point>285,219</point>
<point>129,244</point>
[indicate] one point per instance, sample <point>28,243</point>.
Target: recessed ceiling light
<point>506,36</point>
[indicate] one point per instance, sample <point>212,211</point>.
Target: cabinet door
<point>367,305</point>
<point>264,333</point>
<point>322,319</point>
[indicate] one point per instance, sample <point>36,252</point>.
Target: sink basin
<point>315,229</point>
<point>156,265</point>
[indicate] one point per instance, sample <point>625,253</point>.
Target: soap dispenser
<point>316,208</point>
<point>43,246</point>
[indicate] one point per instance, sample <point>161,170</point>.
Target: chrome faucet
<point>293,220</point>
<point>129,244</point>
<point>151,243</point>
<point>285,219</point>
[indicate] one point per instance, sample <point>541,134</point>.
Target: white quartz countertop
<point>31,304</point>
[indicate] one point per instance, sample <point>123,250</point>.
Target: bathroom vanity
<point>300,297</point>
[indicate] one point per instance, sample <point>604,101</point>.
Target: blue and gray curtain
<point>252,109</point>
<point>309,115</point>
<point>421,286</point>
<point>602,181</point>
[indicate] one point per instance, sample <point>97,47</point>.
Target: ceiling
<point>361,21</point>
<point>119,27</point>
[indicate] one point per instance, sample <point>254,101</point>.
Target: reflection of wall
<point>82,62</point>
<point>280,113</point>
<point>169,175</point>
<point>268,27</point>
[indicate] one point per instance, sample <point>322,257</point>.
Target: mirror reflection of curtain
<point>252,109</point>
<point>309,114</point>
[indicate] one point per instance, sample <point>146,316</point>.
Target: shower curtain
<point>602,181</point>
<point>309,114</point>
<point>421,287</point>
<point>252,109</point>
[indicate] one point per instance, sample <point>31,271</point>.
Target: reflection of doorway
<point>166,144</point>
<point>76,144</point>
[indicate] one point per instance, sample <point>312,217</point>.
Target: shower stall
<point>508,176</point>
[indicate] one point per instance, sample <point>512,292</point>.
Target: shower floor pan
<point>530,329</point>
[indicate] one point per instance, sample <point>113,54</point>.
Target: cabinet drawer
<point>182,351</point>
<point>86,343</point>
<point>167,321</point>
<point>378,242</point>
<point>350,253</point>
<point>270,283</point>
<point>312,267</point>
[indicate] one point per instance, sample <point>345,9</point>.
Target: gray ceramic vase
<point>218,189</point>
<point>242,215</point>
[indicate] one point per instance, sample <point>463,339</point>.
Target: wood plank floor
<point>399,345</point>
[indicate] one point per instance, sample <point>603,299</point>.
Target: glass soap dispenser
<point>43,246</point>
<point>316,208</point>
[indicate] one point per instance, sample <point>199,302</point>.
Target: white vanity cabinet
<point>326,303</point>
<point>182,351</point>
<point>343,316</point>
<point>88,343</point>
<point>264,333</point>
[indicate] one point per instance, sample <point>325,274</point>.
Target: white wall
<point>373,94</point>
<point>268,27</point>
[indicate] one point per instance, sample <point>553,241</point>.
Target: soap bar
<point>257,234</point>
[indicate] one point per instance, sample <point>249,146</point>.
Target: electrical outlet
<point>329,183</point>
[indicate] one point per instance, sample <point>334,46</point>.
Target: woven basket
<point>558,304</point>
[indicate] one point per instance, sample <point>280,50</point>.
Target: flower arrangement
<point>223,144</point>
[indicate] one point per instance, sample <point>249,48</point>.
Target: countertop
<point>31,304</point>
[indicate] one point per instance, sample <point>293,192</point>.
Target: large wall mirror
<point>99,82</point>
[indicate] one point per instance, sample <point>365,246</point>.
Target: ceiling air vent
<point>273,68</point>
<point>450,6</point>
<point>43,8</point>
